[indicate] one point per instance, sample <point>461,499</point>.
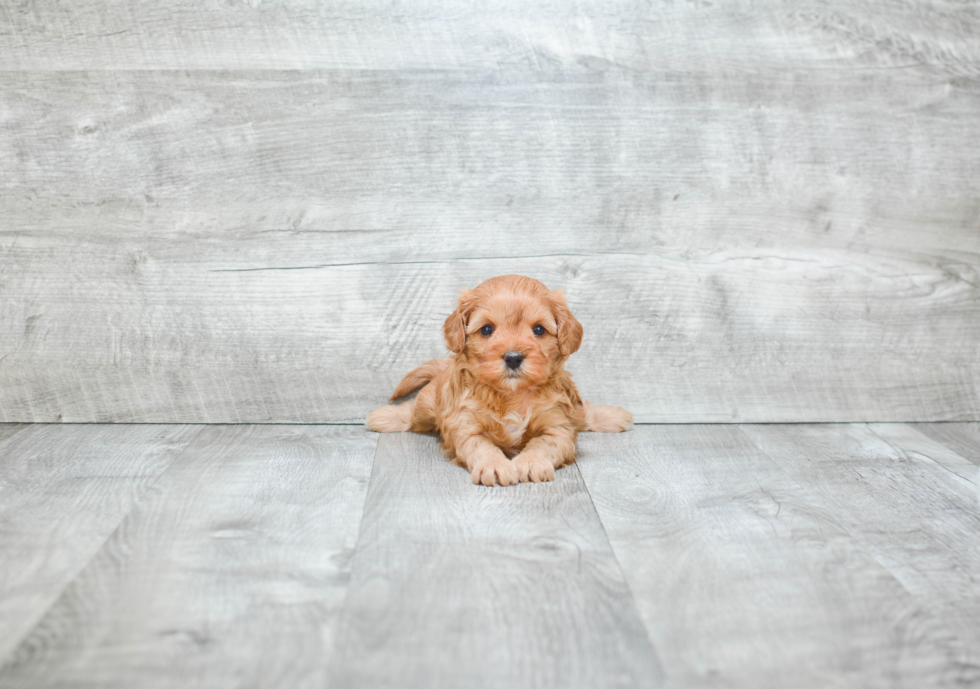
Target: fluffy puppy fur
<point>504,405</point>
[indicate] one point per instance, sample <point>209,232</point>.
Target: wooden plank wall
<point>261,212</point>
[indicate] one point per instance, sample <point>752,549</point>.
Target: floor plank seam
<point>636,609</point>
<point>856,538</point>
<point>4,662</point>
<point>862,542</point>
<point>343,616</point>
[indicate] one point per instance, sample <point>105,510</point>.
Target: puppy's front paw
<point>491,471</point>
<point>534,468</point>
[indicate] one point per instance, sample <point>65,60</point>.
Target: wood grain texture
<point>235,297</point>
<point>459,585</point>
<point>913,515</point>
<point>747,556</point>
<point>911,442</point>
<point>63,491</point>
<point>231,571</point>
<point>209,331</point>
<point>745,575</point>
<point>961,438</point>
<point>675,162</point>
<point>544,35</point>
<point>9,429</point>
<point>762,211</point>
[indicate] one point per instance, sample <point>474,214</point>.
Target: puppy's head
<point>513,331</point>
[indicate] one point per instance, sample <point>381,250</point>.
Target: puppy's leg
<point>606,418</point>
<point>487,462</point>
<point>545,453</point>
<point>391,418</point>
<point>417,415</point>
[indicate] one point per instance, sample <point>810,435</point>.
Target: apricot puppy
<point>504,404</point>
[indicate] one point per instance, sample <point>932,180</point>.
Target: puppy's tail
<point>420,376</point>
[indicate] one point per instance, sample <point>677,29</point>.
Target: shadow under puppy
<point>504,404</point>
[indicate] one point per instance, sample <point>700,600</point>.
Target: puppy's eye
<point>538,330</point>
<point>486,330</point>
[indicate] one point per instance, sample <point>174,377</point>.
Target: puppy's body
<point>504,405</point>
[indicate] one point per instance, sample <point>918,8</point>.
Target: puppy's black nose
<point>513,360</point>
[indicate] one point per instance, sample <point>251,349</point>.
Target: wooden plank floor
<point>843,555</point>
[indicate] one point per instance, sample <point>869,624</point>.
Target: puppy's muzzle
<point>513,360</point>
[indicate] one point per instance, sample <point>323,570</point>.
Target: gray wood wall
<point>262,212</point>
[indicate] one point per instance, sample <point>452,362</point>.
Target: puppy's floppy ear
<point>455,326</point>
<point>569,329</point>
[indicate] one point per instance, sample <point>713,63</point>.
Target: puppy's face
<point>513,332</point>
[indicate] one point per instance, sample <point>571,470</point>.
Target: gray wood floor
<point>292,556</point>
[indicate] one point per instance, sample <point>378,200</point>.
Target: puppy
<point>504,405</point>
